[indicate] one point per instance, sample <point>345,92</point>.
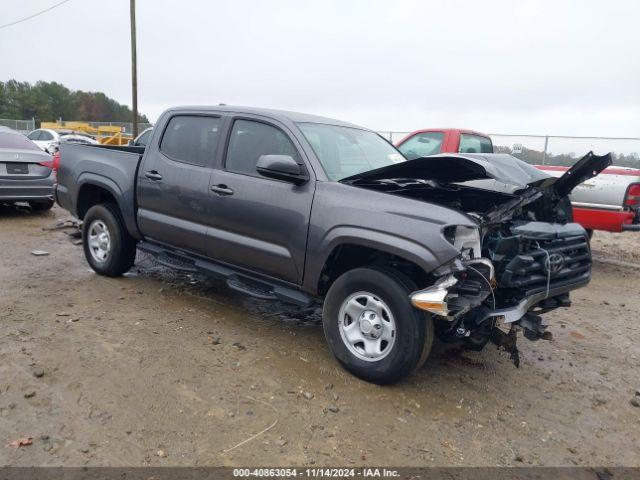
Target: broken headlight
<point>464,238</point>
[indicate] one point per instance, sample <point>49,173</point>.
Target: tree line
<point>49,101</point>
<point>535,157</point>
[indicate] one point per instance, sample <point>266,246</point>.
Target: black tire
<point>41,205</point>
<point>414,329</point>
<point>122,249</point>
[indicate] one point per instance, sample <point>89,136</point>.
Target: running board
<point>175,262</point>
<point>256,291</point>
<point>239,280</point>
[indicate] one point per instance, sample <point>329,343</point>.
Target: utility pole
<point>134,69</point>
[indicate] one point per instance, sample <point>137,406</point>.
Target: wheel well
<point>346,257</point>
<point>91,195</point>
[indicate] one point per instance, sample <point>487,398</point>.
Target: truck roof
<point>282,115</point>
<point>450,130</point>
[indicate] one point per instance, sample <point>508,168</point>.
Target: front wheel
<point>372,328</point>
<point>108,247</point>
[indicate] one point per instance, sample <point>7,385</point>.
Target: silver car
<point>26,172</point>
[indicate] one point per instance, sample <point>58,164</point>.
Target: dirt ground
<point>159,368</point>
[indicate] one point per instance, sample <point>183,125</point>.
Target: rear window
<point>191,139</point>
<point>475,144</point>
<point>143,139</point>
<point>422,145</point>
<point>16,141</point>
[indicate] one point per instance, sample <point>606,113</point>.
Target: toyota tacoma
<point>299,208</point>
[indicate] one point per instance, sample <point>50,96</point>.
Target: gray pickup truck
<point>299,208</point>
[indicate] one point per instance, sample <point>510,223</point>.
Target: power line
<point>34,15</point>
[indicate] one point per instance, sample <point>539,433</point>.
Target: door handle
<point>153,175</point>
<point>221,189</point>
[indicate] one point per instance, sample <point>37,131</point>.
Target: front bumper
<point>512,314</point>
<point>437,300</point>
<point>606,220</point>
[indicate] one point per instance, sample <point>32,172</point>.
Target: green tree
<point>49,101</point>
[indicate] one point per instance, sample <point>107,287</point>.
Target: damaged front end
<point>527,268</point>
<point>521,261</point>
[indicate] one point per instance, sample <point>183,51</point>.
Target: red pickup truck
<point>610,201</point>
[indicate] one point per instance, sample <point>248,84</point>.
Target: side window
<point>422,145</point>
<point>191,139</point>
<point>475,144</point>
<point>250,140</point>
<point>44,135</point>
<point>35,135</point>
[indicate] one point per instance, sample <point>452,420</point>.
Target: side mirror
<point>282,167</point>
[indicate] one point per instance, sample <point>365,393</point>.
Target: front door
<point>257,222</point>
<point>173,182</point>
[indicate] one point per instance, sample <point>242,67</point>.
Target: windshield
<point>345,151</point>
<point>422,145</point>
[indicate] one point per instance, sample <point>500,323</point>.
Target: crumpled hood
<point>490,171</point>
<point>456,168</point>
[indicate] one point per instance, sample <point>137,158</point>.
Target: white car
<point>46,139</point>
<point>49,140</point>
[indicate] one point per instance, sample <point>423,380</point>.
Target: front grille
<point>567,258</point>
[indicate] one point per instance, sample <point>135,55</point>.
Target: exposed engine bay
<point>521,261</point>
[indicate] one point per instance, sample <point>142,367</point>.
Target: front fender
<point>383,241</point>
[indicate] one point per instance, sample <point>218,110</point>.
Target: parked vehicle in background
<point>142,140</point>
<point>26,172</point>
<point>423,143</point>
<point>49,140</point>
<point>76,138</point>
<point>46,139</point>
<point>609,202</point>
<point>295,207</point>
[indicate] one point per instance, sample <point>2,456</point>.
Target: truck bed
<point>115,168</point>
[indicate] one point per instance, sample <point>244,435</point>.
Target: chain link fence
<point>556,149</point>
<point>22,126</point>
<point>534,149</point>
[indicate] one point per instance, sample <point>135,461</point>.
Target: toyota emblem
<point>553,264</point>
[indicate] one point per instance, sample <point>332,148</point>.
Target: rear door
<point>257,222</point>
<point>173,181</point>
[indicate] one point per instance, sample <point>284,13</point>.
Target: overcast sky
<point>556,67</point>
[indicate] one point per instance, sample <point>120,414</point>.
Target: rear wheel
<point>41,205</point>
<point>108,247</point>
<point>372,328</point>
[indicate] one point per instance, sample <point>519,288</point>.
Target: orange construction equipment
<point>105,134</point>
